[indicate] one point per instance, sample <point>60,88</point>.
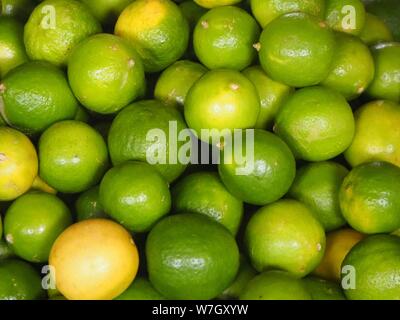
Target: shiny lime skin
<point>377,138</point>
<point>175,82</point>
<point>224,37</point>
<point>88,205</point>
<point>297,49</point>
<point>73,156</point>
<point>267,177</point>
<point>386,84</point>
<point>32,224</point>
<point>140,289</point>
<point>192,257</point>
<point>369,198</point>
<point>275,285</point>
<point>285,235</point>
<point>12,50</point>
<point>107,11</point>
<point>105,73</point>
<point>36,95</point>
<point>55,27</point>
<point>272,95</point>
<point>127,139</point>
<point>317,123</point>
<point>321,289</point>
<point>375,30</point>
<point>204,193</point>
<point>19,281</point>
<point>231,102</point>
<point>352,68</point>
<point>345,15</point>
<point>136,195</point>
<point>317,185</point>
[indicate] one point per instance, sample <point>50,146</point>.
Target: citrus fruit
<point>375,30</point>
<point>190,256</point>
<point>158,31</point>
<point>345,15</point>
<point>317,185</point>
<point>136,195</point>
<point>12,50</point>
<point>55,27</point>
<point>317,123</point>
<point>88,205</point>
<point>105,73</point>
<point>231,102</point>
<point>272,94</point>
<point>285,235</point>
<point>224,37</point>
<point>369,198</point>
<point>376,263</point>
<point>264,174</point>
<point>275,285</point>
<point>204,193</point>
<point>130,137</point>
<point>376,138</point>
<point>35,95</point>
<point>175,82</point>
<point>32,224</point>
<point>267,10</point>
<point>140,289</point>
<point>352,68</point>
<point>94,259</point>
<point>338,245</point>
<point>321,289</point>
<point>192,12</point>
<point>5,250</point>
<point>215,3</point>
<point>107,11</point>
<point>39,185</point>
<point>386,84</point>
<point>18,164</point>
<point>73,156</point>
<point>19,281</point>
<point>297,49</point>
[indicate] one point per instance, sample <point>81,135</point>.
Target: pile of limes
<point>206,149</point>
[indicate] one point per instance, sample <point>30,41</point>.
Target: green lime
<point>204,193</point>
<point>321,289</point>
<point>131,137</point>
<point>12,50</point>
<point>272,94</point>
<point>375,265</point>
<point>297,49</point>
<point>231,102</point>
<point>19,281</point>
<point>267,10</point>
<point>5,251</point>
<point>245,274</point>
<point>386,84</point>
<point>105,73</point>
<point>275,285</point>
<point>55,27</point>
<point>375,30</point>
<point>369,198</point>
<point>377,138</point>
<point>317,185</point>
<point>73,156</point>
<point>216,3</point>
<point>136,195</point>
<point>20,9</point>
<point>175,82</point>
<point>285,235</point>
<point>190,256</point>
<point>224,37</point>
<point>317,123</point>
<point>107,11</point>
<point>88,205</point>
<point>192,12</point>
<point>18,164</point>
<point>157,29</point>
<point>352,68</point>
<point>32,224</point>
<point>264,174</point>
<point>140,289</point>
<point>36,95</point>
<point>345,15</point>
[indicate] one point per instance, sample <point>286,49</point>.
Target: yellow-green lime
<point>345,15</point>
<point>88,205</point>
<point>375,30</point>
<point>216,3</point>
<point>321,289</point>
<point>140,289</point>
